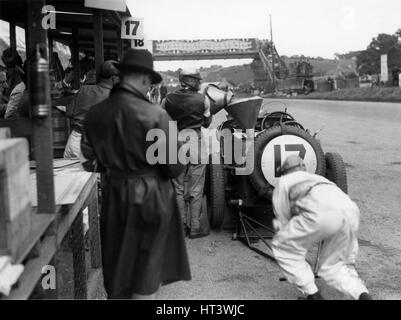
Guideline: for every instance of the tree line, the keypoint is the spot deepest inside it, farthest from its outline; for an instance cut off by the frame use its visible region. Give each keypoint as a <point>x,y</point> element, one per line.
<point>368,61</point>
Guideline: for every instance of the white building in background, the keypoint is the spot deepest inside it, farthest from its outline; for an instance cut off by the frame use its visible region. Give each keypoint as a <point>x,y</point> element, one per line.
<point>384,68</point>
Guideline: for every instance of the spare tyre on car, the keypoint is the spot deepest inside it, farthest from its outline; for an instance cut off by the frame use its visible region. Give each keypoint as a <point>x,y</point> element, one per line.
<point>271,148</point>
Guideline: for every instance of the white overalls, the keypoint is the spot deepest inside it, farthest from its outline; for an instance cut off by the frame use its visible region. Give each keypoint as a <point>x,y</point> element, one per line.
<point>309,209</point>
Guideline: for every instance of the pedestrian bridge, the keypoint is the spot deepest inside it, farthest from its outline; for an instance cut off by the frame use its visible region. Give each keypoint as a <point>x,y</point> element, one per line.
<point>206,49</point>
<point>261,51</point>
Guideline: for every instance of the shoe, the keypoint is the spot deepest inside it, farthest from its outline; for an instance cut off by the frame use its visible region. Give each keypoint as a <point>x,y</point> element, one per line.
<point>365,296</point>
<point>315,296</point>
<point>196,233</point>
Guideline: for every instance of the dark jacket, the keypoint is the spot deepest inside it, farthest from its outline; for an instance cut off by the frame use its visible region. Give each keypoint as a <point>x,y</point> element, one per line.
<point>187,107</point>
<point>163,92</point>
<point>87,96</point>
<point>13,79</point>
<point>141,230</point>
<point>14,105</point>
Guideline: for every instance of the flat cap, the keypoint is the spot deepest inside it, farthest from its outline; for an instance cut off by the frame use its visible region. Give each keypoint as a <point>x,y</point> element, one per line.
<point>291,164</point>
<point>108,69</point>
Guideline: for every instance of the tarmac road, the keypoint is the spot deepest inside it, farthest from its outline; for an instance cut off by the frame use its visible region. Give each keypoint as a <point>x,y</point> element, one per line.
<point>368,136</point>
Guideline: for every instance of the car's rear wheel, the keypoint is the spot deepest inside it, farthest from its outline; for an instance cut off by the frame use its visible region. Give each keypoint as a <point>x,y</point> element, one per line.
<point>215,194</point>
<point>336,171</point>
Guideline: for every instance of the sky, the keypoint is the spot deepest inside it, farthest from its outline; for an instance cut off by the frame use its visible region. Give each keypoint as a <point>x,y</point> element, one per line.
<point>308,27</point>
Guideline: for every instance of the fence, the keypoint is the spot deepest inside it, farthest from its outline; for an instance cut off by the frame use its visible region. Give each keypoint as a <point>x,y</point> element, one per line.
<point>347,84</point>
<point>323,85</point>
<point>69,242</point>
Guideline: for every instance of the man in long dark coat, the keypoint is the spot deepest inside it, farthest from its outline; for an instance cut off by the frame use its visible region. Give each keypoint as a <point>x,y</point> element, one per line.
<point>143,244</point>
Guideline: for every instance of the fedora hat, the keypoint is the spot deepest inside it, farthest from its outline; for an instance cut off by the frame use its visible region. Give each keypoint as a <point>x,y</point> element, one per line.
<point>139,60</point>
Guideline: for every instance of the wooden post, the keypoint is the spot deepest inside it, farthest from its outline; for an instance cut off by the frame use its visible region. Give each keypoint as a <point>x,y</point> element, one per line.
<point>98,37</point>
<point>13,36</point>
<point>42,128</point>
<point>78,258</point>
<point>120,49</point>
<point>75,57</point>
<point>50,45</point>
<point>94,230</point>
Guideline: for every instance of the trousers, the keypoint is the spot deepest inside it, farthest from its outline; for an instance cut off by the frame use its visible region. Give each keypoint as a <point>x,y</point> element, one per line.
<point>189,187</point>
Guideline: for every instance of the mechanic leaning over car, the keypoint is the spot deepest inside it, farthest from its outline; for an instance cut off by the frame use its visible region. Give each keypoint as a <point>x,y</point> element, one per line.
<point>309,209</point>
<point>191,110</point>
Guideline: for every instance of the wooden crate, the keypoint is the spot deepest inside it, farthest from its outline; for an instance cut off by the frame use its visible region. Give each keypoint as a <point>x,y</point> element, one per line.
<point>15,202</point>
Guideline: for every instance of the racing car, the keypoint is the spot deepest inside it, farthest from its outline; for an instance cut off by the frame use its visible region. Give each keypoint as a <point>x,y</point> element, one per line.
<point>243,203</point>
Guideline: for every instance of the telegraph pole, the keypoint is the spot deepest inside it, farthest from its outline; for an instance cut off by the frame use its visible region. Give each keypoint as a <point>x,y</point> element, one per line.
<point>272,52</point>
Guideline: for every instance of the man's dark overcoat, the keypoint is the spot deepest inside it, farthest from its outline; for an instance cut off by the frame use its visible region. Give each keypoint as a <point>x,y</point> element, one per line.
<point>141,231</point>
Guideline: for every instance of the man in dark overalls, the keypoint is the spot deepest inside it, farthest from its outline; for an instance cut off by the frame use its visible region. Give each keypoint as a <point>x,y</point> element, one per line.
<point>191,110</point>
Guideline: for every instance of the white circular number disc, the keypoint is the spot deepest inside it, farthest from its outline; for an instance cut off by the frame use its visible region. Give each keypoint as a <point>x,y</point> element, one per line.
<point>285,146</point>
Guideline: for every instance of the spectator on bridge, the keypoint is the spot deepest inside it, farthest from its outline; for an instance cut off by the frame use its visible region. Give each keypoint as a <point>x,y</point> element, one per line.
<point>309,209</point>
<point>191,111</point>
<point>86,97</point>
<point>143,246</point>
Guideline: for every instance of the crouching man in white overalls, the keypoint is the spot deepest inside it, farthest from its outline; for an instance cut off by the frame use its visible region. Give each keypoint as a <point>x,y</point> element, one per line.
<point>309,209</point>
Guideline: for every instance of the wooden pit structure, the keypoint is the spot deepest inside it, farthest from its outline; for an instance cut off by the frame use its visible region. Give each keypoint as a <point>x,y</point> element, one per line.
<point>57,220</point>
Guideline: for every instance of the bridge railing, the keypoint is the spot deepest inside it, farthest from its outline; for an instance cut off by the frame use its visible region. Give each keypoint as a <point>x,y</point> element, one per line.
<point>266,64</point>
